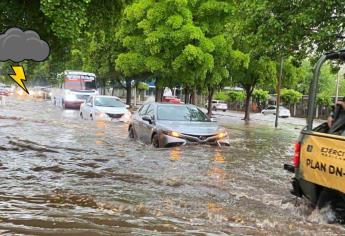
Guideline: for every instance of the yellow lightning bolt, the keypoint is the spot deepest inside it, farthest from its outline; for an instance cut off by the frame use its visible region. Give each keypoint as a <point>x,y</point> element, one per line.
<point>19,77</point>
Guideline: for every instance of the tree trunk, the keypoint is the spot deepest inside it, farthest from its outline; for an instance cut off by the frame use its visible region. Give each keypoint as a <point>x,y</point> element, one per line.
<point>186,95</point>
<point>129,91</point>
<point>294,109</point>
<point>193,96</point>
<point>247,104</point>
<point>113,87</point>
<point>159,94</point>
<point>104,85</point>
<point>209,101</point>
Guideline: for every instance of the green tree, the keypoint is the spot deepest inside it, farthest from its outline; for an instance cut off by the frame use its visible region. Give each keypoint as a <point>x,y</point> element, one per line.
<point>235,96</point>
<point>221,95</point>
<point>260,97</point>
<point>290,96</point>
<point>162,40</point>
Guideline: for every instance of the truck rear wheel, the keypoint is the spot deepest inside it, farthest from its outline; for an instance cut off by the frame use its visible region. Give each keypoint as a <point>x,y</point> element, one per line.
<point>336,201</point>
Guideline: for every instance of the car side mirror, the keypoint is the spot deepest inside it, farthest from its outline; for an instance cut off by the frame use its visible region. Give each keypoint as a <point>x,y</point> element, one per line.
<point>128,106</point>
<point>212,119</point>
<point>89,104</point>
<point>147,118</point>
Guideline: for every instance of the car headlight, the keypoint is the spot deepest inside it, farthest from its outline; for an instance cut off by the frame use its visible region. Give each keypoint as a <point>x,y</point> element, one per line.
<point>50,94</point>
<point>222,135</point>
<point>172,133</point>
<point>127,115</point>
<point>100,114</point>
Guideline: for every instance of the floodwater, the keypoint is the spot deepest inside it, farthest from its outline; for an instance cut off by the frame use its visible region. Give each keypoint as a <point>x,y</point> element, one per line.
<point>61,175</point>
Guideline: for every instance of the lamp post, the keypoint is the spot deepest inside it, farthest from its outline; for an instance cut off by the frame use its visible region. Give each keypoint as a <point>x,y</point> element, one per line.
<point>278,91</point>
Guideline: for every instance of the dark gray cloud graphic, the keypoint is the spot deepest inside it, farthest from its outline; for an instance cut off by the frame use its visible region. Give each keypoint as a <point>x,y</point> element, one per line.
<point>17,45</point>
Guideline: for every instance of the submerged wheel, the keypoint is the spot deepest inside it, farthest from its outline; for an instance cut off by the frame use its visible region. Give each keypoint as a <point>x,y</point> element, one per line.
<point>91,117</point>
<point>336,201</point>
<point>155,141</point>
<point>131,133</point>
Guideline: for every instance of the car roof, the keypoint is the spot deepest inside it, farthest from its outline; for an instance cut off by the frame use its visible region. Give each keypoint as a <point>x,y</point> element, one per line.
<point>168,104</point>
<point>105,96</point>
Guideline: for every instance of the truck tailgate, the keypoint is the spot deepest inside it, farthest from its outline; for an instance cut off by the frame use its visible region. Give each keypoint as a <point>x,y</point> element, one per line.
<point>323,160</point>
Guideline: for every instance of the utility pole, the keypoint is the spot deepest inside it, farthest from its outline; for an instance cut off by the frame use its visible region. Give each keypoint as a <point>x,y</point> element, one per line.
<point>278,91</point>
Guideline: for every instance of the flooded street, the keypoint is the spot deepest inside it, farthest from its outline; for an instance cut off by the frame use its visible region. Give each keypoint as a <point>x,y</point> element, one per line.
<point>61,175</point>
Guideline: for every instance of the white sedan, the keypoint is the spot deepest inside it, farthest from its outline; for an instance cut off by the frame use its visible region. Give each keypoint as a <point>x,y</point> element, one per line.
<point>109,108</point>
<point>283,112</point>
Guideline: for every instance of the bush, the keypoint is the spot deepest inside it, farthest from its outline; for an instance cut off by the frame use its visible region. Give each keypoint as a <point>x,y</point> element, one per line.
<point>260,96</point>
<point>221,96</point>
<point>290,96</point>
<point>235,96</point>
<point>324,100</point>
<point>142,86</point>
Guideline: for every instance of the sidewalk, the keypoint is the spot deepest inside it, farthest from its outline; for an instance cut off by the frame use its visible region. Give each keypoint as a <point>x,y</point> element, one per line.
<point>267,119</point>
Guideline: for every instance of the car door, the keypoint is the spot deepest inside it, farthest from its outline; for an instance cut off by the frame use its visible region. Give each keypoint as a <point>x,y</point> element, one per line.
<point>87,108</point>
<point>270,110</point>
<point>147,127</point>
<point>138,121</point>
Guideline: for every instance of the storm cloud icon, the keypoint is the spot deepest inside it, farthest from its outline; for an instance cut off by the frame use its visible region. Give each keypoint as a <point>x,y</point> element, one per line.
<point>17,45</point>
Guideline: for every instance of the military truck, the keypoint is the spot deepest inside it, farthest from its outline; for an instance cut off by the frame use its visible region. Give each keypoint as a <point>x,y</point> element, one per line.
<point>319,156</point>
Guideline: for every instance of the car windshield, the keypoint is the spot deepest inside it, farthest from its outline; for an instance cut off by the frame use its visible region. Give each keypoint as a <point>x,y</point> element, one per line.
<point>108,102</point>
<point>180,113</point>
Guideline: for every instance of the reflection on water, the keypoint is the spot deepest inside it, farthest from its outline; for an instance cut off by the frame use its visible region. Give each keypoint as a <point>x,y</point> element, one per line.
<point>100,124</point>
<point>218,156</point>
<point>217,168</point>
<point>175,154</point>
<point>61,175</point>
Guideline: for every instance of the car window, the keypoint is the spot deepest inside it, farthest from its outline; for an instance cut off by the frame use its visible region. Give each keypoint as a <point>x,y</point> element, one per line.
<point>142,110</point>
<point>271,108</point>
<point>150,111</point>
<point>89,100</point>
<point>180,113</point>
<point>108,102</point>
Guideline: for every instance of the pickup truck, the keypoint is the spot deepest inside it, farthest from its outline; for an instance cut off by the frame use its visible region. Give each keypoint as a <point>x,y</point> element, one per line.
<point>319,157</point>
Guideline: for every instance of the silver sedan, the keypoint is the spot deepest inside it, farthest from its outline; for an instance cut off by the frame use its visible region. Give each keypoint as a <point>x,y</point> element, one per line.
<point>168,125</point>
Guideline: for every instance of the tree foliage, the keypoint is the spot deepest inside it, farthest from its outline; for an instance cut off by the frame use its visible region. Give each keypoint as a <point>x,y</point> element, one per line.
<point>235,96</point>
<point>260,96</point>
<point>290,96</point>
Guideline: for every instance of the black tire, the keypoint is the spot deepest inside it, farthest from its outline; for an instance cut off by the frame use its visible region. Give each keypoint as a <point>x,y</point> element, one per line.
<point>224,110</point>
<point>91,117</point>
<point>336,201</point>
<point>155,141</point>
<point>131,134</point>
<point>214,108</point>
<point>81,115</point>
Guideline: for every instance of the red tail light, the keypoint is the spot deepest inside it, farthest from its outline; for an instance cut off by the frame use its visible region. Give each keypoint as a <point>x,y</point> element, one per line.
<point>297,154</point>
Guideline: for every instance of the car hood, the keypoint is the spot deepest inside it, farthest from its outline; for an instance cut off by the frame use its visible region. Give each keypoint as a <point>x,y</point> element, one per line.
<point>190,127</point>
<point>111,110</point>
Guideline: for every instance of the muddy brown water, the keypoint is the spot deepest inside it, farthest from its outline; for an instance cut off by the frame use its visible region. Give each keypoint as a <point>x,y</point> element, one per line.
<point>60,175</point>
